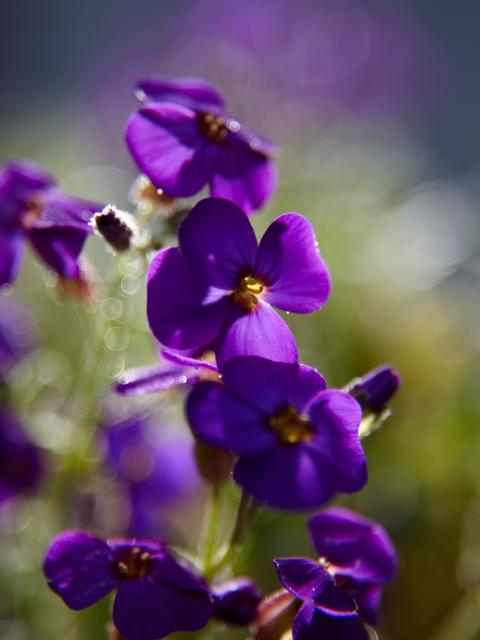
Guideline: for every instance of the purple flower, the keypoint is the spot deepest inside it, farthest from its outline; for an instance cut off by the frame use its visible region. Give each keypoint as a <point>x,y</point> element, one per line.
<point>297,442</point>
<point>376,388</point>
<point>156,467</point>
<point>21,466</point>
<point>235,601</point>
<point>356,557</point>
<point>18,333</point>
<point>55,223</point>
<point>182,369</point>
<point>157,593</point>
<point>216,289</point>
<point>183,139</point>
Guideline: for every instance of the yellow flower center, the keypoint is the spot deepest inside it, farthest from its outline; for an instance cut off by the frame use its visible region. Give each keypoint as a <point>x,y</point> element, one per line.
<point>213,127</point>
<point>290,426</point>
<point>248,292</point>
<point>135,565</point>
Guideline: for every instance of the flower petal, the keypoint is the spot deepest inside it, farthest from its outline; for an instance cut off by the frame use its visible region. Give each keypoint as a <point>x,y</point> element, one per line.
<point>243,176</point>
<point>11,247</point>
<point>59,248</point>
<point>78,568</point>
<point>312,624</point>
<point>336,416</point>
<point>191,92</point>
<point>171,599</point>
<point>167,145</point>
<point>137,382</point>
<point>218,241</point>
<point>218,417</point>
<point>270,385</point>
<point>178,309</point>
<point>289,260</point>
<point>288,476</point>
<point>358,547</point>
<point>261,332</point>
<point>309,581</point>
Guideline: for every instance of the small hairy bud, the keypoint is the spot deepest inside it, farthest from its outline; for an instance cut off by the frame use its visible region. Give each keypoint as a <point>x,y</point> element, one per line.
<point>115,226</point>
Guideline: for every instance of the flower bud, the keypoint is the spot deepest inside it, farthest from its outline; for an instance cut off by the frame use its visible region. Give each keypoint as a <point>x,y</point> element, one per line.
<point>235,601</point>
<point>115,226</point>
<point>376,388</point>
<point>214,464</point>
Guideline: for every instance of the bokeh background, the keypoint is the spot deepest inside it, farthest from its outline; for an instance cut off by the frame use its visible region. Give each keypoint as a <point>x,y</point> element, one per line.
<point>375,105</point>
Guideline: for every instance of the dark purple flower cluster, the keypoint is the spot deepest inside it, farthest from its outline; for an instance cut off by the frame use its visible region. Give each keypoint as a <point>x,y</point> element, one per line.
<point>212,304</point>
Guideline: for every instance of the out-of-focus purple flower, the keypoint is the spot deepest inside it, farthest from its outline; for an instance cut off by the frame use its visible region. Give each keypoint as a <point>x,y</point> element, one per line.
<point>183,139</point>
<point>182,370</point>
<point>218,286</point>
<point>157,593</point>
<point>297,442</point>
<point>21,466</point>
<point>17,333</point>
<point>56,224</point>
<point>236,600</point>
<point>376,388</point>
<point>342,589</point>
<point>158,469</point>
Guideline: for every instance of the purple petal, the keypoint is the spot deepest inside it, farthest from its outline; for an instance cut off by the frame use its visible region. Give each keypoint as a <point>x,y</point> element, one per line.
<point>358,547</point>
<point>261,332</point>
<point>187,360</point>
<point>312,624</point>
<point>255,140</point>
<point>236,600</point>
<point>192,92</point>
<point>368,601</point>
<point>218,241</point>
<point>10,256</point>
<point>58,210</point>
<point>178,309</point>
<point>270,385</point>
<point>243,176</point>
<point>336,416</point>
<point>289,260</point>
<point>167,145</point>
<point>25,178</point>
<point>79,568</point>
<point>59,248</point>
<point>137,382</point>
<point>309,581</point>
<point>220,418</point>
<point>171,599</point>
<point>288,476</point>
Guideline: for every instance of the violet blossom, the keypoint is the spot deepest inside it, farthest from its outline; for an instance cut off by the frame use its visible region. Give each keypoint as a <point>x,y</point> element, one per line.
<point>343,588</point>
<point>218,287</point>
<point>297,442</point>
<point>184,139</point>
<point>156,592</point>
<point>236,601</point>
<point>376,388</point>
<point>33,208</point>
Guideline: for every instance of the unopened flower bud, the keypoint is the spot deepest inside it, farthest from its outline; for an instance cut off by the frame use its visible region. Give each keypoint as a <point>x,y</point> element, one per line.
<point>214,464</point>
<point>235,601</point>
<point>376,388</point>
<point>115,226</point>
<point>275,616</point>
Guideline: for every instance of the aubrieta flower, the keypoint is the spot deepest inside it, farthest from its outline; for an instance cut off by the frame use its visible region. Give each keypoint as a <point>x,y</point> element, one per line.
<point>376,388</point>
<point>56,224</point>
<point>235,601</point>
<point>184,139</point>
<point>343,588</point>
<point>21,465</point>
<point>183,369</point>
<point>218,286</point>
<point>156,467</point>
<point>297,442</point>
<point>157,593</point>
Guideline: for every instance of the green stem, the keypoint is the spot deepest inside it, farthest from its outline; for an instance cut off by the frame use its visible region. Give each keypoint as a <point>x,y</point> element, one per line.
<point>211,535</point>
<point>245,514</point>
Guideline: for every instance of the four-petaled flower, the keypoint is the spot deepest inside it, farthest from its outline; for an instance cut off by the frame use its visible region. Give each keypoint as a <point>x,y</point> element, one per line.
<point>343,588</point>
<point>183,139</point>
<point>216,289</point>
<point>157,594</point>
<point>297,442</point>
<point>56,224</point>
